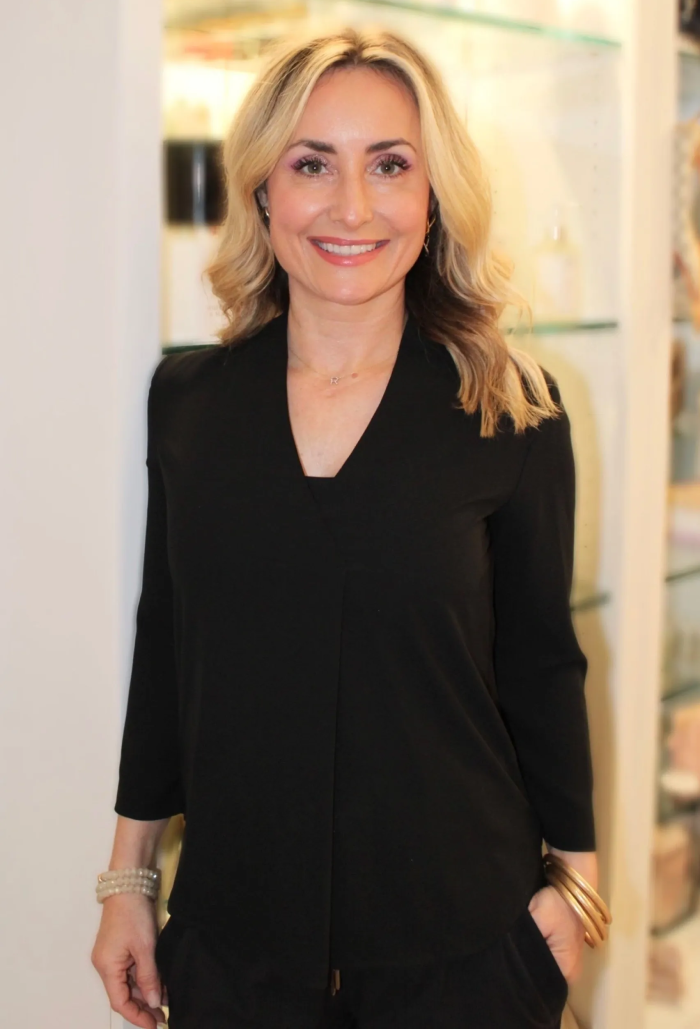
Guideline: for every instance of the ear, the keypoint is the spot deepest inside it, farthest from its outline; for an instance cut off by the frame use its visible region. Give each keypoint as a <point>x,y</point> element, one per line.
<point>261,194</point>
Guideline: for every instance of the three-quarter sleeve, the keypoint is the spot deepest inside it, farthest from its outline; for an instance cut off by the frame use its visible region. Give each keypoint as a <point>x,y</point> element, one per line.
<point>540,669</point>
<point>149,785</point>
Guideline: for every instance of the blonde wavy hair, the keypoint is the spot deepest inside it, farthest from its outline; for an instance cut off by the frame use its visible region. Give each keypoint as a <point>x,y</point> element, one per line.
<point>456,293</point>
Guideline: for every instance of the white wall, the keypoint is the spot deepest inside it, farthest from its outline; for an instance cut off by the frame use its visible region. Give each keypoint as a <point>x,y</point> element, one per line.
<point>79,220</point>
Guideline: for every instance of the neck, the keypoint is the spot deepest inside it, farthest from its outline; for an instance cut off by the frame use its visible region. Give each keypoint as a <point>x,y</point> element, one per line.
<point>340,338</point>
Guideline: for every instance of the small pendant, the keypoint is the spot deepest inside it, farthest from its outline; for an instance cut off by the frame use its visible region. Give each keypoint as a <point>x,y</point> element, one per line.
<point>334,380</point>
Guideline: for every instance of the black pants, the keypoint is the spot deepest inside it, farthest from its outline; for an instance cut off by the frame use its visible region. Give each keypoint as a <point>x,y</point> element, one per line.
<point>514,983</point>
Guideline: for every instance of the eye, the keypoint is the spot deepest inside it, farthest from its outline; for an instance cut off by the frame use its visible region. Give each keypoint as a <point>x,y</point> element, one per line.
<point>391,166</point>
<point>309,162</point>
<point>395,161</point>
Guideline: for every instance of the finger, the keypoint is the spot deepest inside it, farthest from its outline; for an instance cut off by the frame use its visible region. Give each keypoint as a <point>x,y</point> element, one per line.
<point>536,900</point>
<point>155,1010</point>
<point>123,1003</point>
<point>148,980</point>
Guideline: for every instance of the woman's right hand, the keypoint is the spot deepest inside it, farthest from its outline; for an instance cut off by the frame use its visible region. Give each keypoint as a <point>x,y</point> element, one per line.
<point>124,956</point>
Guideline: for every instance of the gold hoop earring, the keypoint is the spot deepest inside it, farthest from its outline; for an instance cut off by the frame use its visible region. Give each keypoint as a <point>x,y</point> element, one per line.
<point>429,225</point>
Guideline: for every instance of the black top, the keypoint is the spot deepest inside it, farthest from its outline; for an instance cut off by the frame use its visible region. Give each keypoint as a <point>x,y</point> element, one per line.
<point>365,694</point>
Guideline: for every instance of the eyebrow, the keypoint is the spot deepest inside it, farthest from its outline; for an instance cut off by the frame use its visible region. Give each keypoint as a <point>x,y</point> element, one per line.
<point>328,148</point>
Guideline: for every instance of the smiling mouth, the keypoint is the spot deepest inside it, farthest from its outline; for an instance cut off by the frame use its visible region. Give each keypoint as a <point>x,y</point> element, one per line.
<point>349,250</point>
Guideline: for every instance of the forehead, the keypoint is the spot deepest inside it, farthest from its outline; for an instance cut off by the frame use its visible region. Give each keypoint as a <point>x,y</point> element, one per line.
<point>360,102</point>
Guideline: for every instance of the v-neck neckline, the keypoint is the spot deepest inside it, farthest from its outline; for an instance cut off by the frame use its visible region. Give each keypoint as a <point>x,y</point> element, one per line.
<point>373,425</point>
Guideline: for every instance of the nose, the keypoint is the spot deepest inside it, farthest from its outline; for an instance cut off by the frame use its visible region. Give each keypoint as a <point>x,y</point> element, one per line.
<point>352,200</point>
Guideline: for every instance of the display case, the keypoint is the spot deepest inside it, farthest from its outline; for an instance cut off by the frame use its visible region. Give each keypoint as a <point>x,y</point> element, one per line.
<point>675,917</point>
<point>555,96</point>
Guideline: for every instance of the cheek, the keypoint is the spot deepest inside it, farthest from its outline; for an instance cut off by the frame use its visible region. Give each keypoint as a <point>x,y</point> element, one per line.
<point>294,205</point>
<point>288,227</point>
<point>292,224</point>
<point>409,215</point>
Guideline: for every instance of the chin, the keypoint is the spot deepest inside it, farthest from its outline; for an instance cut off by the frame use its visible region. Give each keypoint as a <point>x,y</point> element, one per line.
<point>350,299</point>
<point>349,296</point>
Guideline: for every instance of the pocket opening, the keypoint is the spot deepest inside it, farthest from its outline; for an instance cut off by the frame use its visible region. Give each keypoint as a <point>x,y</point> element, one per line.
<point>542,967</point>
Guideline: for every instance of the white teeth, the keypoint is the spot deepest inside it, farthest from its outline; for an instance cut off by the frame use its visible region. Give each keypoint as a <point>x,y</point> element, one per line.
<point>333,248</point>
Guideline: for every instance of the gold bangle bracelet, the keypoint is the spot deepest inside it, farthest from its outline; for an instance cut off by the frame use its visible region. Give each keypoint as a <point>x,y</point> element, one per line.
<point>585,894</point>
<point>568,870</point>
<point>569,873</point>
<point>596,928</point>
<point>600,916</point>
<point>591,935</point>
<point>584,901</point>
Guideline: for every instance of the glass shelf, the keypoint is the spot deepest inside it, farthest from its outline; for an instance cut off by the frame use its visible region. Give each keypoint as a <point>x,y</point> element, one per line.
<point>181,14</point>
<point>586,598</point>
<point>693,331</point>
<point>538,329</point>
<point>676,810</point>
<point>686,690</point>
<point>687,46</point>
<point>685,573</point>
<point>683,562</point>
<point>563,328</point>
<point>187,13</point>
<point>436,10</point>
<point>180,348</point>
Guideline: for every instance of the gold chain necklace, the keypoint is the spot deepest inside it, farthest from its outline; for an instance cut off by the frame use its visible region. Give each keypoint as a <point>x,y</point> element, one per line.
<point>335,379</point>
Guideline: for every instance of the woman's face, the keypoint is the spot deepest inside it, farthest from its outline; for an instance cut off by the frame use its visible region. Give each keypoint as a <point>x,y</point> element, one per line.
<point>354,174</point>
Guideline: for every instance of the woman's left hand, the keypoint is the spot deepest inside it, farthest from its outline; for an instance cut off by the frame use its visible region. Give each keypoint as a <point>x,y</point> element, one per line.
<point>562,929</point>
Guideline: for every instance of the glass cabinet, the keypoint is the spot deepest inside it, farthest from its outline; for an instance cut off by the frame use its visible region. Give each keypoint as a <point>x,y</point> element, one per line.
<point>674,969</point>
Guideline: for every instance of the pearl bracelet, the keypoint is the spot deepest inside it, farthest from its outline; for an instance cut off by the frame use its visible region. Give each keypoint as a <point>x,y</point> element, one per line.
<point>145,881</point>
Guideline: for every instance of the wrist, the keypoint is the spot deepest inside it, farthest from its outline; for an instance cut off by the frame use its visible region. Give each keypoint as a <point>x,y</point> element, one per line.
<point>132,859</point>
<point>126,900</point>
<point>142,881</point>
<point>585,862</point>
<point>578,891</point>
<point>136,843</point>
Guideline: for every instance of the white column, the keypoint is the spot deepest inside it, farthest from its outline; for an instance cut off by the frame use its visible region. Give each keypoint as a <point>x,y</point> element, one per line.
<point>625,735</point>
<point>79,218</point>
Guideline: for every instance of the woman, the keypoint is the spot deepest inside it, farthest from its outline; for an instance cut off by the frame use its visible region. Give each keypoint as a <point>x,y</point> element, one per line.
<point>355,670</point>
